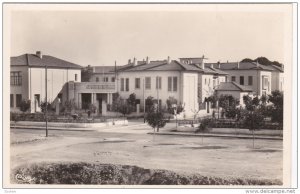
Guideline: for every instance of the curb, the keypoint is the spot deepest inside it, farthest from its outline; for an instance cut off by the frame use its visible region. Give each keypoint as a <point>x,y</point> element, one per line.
<point>218,135</point>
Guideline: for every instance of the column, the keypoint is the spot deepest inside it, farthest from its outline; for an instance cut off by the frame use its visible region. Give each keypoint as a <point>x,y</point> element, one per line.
<point>79,101</point>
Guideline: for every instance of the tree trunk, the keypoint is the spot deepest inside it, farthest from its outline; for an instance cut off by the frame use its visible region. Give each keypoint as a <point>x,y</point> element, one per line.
<point>253,139</point>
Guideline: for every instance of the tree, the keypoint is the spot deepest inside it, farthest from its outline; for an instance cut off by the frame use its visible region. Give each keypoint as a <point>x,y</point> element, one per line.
<point>170,102</point>
<point>43,106</point>
<point>229,104</point>
<point>205,126</point>
<point>25,105</point>
<point>254,117</point>
<point>69,105</point>
<point>149,104</point>
<point>123,107</point>
<point>156,120</point>
<point>86,73</point>
<point>276,110</point>
<point>253,120</point>
<point>263,61</point>
<point>132,101</point>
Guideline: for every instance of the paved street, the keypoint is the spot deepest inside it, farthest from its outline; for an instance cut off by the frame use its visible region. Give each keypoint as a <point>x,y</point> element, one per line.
<point>223,157</point>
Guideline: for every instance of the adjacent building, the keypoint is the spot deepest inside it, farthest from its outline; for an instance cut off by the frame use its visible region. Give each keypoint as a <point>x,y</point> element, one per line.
<point>252,74</point>
<point>27,79</point>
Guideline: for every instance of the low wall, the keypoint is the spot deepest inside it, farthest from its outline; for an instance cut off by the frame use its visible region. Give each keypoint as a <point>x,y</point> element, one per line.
<point>70,125</point>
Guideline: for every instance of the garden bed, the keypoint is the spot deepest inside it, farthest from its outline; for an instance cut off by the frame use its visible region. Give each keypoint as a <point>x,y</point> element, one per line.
<point>108,174</point>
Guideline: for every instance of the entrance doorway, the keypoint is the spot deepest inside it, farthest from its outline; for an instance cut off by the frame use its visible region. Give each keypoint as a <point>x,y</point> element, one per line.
<point>86,99</point>
<point>100,98</point>
<point>36,102</point>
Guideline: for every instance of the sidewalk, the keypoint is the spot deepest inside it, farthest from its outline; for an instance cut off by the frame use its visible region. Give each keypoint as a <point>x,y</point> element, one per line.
<point>218,135</point>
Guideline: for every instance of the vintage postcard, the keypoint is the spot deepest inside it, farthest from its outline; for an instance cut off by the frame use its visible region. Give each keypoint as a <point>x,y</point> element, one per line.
<point>148,95</point>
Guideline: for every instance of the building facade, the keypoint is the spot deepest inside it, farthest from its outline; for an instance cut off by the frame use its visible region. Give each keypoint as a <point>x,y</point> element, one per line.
<point>28,79</point>
<point>254,75</point>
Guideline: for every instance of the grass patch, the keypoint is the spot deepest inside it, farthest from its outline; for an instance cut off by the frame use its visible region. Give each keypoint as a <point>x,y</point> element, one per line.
<point>103,174</point>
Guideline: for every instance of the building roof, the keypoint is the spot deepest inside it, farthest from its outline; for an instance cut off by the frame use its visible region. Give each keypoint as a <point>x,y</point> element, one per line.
<point>103,69</point>
<point>33,60</point>
<point>276,68</point>
<point>233,86</point>
<point>163,65</point>
<point>242,66</point>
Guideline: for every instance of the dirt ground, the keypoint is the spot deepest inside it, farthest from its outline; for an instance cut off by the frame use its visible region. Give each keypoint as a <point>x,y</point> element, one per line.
<point>214,157</point>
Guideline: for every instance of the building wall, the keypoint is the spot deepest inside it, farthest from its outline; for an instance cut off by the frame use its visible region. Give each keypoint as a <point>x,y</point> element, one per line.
<point>101,77</point>
<point>57,79</point>
<point>269,87</point>
<point>277,80</point>
<point>205,86</point>
<point>23,88</point>
<point>236,94</point>
<point>163,93</point>
<point>190,92</point>
<point>246,73</point>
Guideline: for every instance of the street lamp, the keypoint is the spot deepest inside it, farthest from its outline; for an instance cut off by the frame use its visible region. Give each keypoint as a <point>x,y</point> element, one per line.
<point>46,101</point>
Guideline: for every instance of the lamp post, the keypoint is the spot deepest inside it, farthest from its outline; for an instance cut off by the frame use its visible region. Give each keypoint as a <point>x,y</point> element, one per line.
<point>46,101</point>
<point>175,112</point>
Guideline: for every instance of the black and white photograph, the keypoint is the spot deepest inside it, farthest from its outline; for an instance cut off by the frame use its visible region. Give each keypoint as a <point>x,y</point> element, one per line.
<point>148,95</point>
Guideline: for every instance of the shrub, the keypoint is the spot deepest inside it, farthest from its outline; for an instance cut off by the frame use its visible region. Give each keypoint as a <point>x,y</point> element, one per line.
<point>43,106</point>
<point>205,125</point>
<point>156,120</point>
<point>25,105</point>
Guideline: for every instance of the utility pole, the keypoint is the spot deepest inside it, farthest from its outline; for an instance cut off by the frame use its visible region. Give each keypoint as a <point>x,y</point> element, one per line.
<point>46,101</point>
<point>144,101</point>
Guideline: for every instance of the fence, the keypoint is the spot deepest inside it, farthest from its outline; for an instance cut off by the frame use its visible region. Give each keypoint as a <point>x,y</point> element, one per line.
<point>227,123</point>
<point>67,118</point>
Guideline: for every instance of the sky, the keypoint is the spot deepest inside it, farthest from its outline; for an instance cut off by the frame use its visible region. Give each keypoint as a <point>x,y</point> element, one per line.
<point>102,36</point>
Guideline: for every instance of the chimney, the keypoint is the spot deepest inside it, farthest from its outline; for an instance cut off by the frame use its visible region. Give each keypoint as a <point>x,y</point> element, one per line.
<point>147,60</point>
<point>94,69</point>
<point>134,61</point>
<point>129,61</point>
<point>211,65</point>
<point>256,63</point>
<point>202,62</point>
<point>39,54</point>
<point>219,65</point>
<point>238,64</point>
<point>168,61</point>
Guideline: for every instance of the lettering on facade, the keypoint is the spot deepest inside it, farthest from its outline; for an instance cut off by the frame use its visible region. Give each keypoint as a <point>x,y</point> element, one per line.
<point>101,87</point>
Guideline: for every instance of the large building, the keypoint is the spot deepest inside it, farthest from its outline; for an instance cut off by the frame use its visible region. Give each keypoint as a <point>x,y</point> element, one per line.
<point>27,79</point>
<point>260,78</point>
<point>190,81</point>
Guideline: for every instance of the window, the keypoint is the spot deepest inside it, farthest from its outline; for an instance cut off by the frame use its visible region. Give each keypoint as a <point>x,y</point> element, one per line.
<point>242,80</point>
<point>18,99</point>
<point>15,78</point>
<point>137,83</point>
<point>265,83</point>
<point>250,80</point>
<point>205,81</point>
<point>122,84</point>
<point>11,100</point>
<point>158,82</point>
<point>233,78</point>
<point>148,83</point>
<point>97,79</point>
<point>172,84</point>
<point>75,77</point>
<point>105,79</point>
<point>169,83</point>
<point>127,84</point>
<point>113,79</point>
